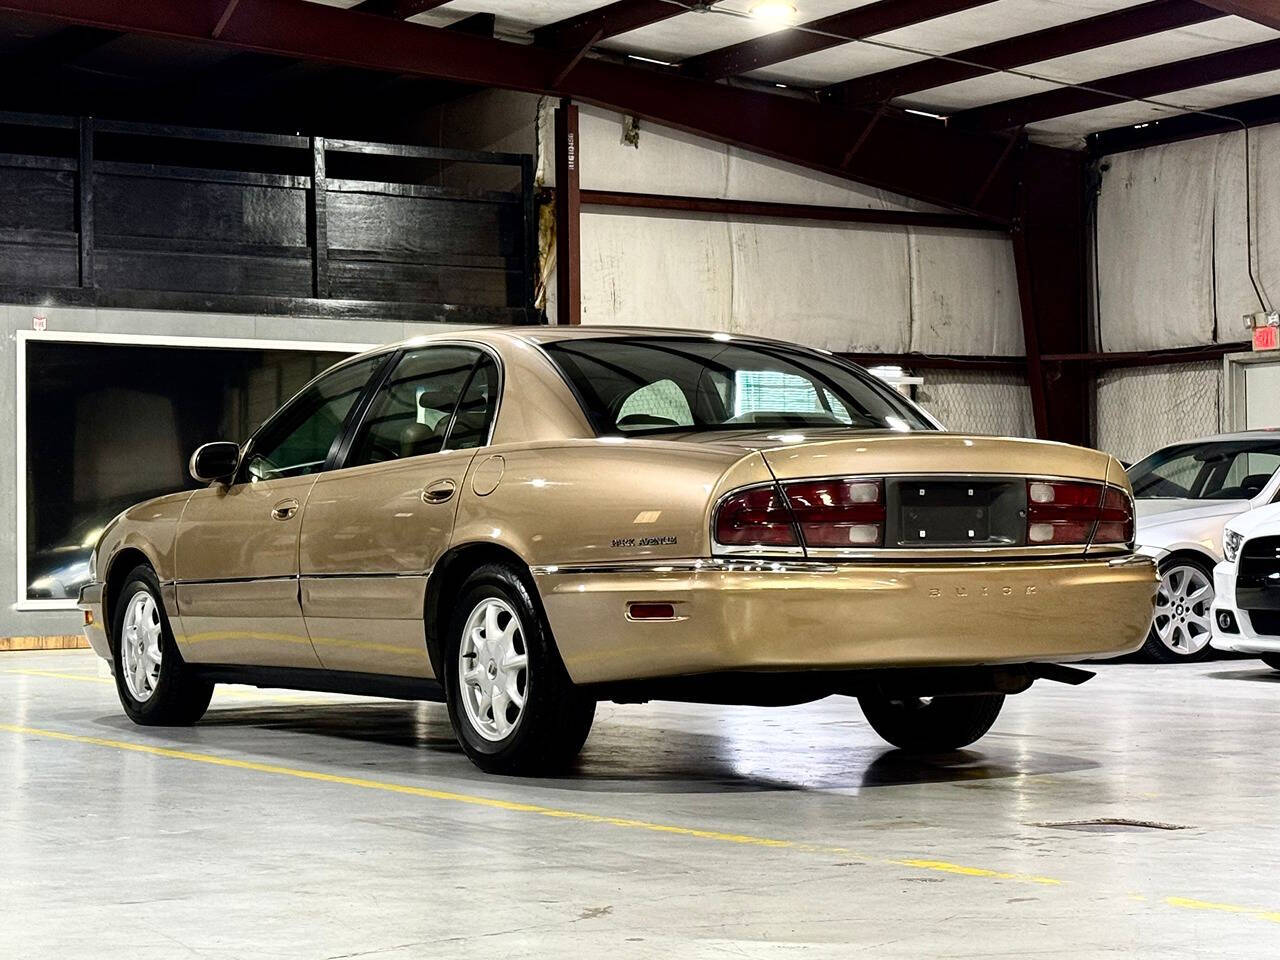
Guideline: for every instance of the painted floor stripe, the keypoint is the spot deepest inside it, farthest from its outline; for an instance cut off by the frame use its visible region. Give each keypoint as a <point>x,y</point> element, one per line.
<point>748,840</point>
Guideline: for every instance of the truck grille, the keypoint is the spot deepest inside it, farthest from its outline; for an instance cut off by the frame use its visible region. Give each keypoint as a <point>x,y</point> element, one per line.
<point>1258,577</point>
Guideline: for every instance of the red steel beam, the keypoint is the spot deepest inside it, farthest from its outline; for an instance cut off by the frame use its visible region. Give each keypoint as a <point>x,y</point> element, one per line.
<point>568,208</point>
<point>1187,126</point>
<point>1265,12</point>
<point>398,9</point>
<point>1059,41</point>
<point>951,361</point>
<point>908,155</point>
<point>1150,82</point>
<point>759,209</point>
<point>839,28</point>
<point>611,20</point>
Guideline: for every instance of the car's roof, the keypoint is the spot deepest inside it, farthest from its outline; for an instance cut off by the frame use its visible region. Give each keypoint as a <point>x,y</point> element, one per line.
<point>1263,433</point>
<point>538,334</point>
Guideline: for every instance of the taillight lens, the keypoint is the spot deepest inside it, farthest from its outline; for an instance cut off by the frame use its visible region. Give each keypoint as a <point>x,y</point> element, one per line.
<point>1062,511</point>
<point>1115,521</point>
<point>756,517</point>
<point>838,513</point>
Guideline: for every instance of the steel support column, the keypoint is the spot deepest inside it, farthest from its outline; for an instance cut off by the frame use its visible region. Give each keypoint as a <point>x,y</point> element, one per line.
<point>1050,257</point>
<point>568,217</point>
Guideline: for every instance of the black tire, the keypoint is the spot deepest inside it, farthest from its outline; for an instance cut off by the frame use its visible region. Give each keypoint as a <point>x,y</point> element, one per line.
<point>1272,660</point>
<point>178,698</point>
<point>1154,649</point>
<point>931,726</point>
<point>553,723</point>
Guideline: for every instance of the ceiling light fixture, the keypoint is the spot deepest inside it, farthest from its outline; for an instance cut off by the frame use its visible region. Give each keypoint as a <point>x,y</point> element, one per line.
<point>772,10</point>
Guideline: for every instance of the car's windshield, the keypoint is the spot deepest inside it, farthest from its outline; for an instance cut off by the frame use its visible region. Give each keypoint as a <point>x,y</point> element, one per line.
<point>1222,470</point>
<point>638,385</point>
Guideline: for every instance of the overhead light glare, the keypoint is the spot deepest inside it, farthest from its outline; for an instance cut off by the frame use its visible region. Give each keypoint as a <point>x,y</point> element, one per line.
<point>925,113</point>
<point>772,10</point>
<point>661,63</point>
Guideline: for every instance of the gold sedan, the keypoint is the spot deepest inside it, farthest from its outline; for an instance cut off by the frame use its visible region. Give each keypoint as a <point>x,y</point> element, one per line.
<point>525,521</point>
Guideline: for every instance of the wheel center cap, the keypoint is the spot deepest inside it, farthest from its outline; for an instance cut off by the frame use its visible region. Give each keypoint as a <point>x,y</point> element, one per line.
<point>493,669</point>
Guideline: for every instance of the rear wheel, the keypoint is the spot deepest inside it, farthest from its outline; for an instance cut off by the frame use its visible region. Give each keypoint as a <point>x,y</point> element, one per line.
<point>511,702</point>
<point>156,687</point>
<point>931,724</point>
<point>1272,660</point>
<point>1180,629</point>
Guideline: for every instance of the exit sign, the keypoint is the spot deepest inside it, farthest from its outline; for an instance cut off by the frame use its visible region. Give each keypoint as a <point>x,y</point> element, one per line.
<point>1266,338</point>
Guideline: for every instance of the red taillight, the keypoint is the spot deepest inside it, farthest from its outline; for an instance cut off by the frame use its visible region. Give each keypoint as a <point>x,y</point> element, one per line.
<point>756,517</point>
<point>1063,511</point>
<point>1115,520</point>
<point>838,513</point>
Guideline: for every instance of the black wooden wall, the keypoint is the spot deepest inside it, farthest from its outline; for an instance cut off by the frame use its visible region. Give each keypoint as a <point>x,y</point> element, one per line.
<point>122,214</point>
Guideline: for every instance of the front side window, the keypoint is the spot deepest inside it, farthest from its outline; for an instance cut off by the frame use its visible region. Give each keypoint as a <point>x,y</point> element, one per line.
<point>670,384</point>
<point>1228,470</point>
<point>415,409</point>
<point>298,439</point>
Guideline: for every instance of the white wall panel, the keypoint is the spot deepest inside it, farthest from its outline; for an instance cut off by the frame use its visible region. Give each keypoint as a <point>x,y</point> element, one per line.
<point>1140,409</point>
<point>1173,255</point>
<point>979,402</point>
<point>964,293</point>
<point>656,270</point>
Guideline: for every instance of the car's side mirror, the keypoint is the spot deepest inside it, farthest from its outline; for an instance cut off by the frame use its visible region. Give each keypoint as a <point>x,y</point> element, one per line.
<point>214,462</point>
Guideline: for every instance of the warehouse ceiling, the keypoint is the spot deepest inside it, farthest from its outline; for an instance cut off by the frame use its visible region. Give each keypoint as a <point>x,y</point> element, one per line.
<point>983,64</point>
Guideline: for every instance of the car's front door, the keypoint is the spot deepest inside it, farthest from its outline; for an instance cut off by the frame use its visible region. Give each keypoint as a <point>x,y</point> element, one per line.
<point>237,546</point>
<point>373,529</point>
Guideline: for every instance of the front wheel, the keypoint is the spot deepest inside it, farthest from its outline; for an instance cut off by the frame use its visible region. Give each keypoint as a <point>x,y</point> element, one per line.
<point>156,687</point>
<point>1180,628</point>
<point>512,705</point>
<point>931,724</point>
<point>1272,660</point>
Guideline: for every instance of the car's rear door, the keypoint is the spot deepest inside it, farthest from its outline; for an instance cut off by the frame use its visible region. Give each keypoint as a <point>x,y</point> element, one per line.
<point>373,529</point>
<point>236,554</point>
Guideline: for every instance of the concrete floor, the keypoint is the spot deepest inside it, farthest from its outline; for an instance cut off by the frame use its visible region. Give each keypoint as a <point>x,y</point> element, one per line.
<point>294,825</point>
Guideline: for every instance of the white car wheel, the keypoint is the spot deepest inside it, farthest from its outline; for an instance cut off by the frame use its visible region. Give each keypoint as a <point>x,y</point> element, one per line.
<point>1181,623</point>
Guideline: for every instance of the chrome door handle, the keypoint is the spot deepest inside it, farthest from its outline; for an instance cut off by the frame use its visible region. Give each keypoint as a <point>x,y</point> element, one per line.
<point>284,509</point>
<point>438,492</point>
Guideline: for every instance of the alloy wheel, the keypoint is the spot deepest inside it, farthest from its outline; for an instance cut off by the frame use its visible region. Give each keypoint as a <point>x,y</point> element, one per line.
<point>493,669</point>
<point>140,646</point>
<point>1182,609</point>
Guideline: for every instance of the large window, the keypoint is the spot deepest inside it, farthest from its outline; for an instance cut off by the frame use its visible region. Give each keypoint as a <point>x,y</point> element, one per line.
<point>110,425</point>
<point>636,385</point>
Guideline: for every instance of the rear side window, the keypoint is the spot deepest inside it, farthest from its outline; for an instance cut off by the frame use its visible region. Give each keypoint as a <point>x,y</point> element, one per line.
<point>1222,470</point>
<point>436,398</point>
<point>635,385</point>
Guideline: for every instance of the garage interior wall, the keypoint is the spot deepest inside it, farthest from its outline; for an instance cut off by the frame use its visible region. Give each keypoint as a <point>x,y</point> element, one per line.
<point>842,287</point>
<point>1173,271</point>
<point>15,622</point>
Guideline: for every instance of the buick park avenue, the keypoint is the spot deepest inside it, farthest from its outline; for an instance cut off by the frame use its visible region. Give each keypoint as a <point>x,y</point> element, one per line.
<point>527,521</point>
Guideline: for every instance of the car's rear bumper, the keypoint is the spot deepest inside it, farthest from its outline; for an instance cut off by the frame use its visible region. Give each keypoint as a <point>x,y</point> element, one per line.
<point>95,628</point>
<point>732,615</point>
<point>1246,639</point>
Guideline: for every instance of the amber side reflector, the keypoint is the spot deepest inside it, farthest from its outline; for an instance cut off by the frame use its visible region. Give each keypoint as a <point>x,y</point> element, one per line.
<point>88,618</point>
<point>651,611</point>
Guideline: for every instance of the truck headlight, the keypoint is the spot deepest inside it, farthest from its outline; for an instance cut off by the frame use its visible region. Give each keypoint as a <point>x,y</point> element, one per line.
<point>1231,545</point>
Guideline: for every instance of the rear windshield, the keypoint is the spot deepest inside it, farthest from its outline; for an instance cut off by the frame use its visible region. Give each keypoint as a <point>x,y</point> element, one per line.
<point>663,385</point>
<point>1226,470</point>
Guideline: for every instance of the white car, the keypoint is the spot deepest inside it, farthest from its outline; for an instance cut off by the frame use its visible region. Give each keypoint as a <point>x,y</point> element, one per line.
<point>1184,496</point>
<point>1246,605</point>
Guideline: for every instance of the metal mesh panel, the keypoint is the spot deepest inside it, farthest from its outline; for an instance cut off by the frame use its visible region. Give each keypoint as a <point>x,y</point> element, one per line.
<point>978,402</point>
<point>1140,409</point>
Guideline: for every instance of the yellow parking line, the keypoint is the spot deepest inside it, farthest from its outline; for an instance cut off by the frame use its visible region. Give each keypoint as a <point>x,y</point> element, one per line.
<point>741,839</point>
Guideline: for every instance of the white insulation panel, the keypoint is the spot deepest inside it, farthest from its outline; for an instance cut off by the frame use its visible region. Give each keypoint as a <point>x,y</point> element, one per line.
<point>1173,250</point>
<point>1140,409</point>
<point>978,402</point>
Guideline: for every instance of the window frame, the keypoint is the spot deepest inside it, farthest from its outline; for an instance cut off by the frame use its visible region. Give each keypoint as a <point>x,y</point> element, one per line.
<point>340,458</point>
